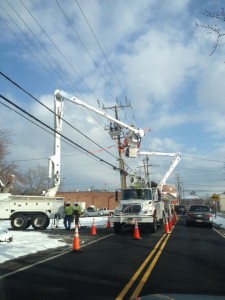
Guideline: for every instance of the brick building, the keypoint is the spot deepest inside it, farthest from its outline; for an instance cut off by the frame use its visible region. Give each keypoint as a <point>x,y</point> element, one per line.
<point>98,199</point>
<point>106,199</point>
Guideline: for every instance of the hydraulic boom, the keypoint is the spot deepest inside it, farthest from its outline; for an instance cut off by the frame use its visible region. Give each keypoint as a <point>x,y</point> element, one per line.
<point>132,138</point>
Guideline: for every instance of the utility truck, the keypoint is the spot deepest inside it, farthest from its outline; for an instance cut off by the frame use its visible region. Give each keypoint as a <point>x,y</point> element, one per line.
<point>142,202</point>
<point>37,211</point>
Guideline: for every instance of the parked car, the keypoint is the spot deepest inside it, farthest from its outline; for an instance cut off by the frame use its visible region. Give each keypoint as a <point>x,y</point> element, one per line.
<point>106,212</point>
<point>199,214</point>
<point>180,209</point>
<point>92,212</point>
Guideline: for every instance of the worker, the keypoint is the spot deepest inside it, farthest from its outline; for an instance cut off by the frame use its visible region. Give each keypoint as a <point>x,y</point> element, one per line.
<point>68,218</point>
<point>77,213</point>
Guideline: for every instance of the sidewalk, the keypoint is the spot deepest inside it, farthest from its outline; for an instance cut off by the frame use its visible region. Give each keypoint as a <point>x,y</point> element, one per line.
<point>219,219</point>
<point>221,215</point>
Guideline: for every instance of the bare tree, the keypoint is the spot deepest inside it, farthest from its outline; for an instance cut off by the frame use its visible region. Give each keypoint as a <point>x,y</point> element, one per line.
<point>31,182</point>
<point>214,29</point>
<point>5,142</point>
<point>35,180</point>
<point>7,168</point>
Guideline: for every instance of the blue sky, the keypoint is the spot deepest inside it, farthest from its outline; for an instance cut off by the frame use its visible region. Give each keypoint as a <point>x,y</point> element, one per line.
<point>148,52</point>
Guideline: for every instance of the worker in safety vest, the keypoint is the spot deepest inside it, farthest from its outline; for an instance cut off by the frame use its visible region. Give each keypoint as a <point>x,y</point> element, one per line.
<point>68,218</point>
<point>77,213</point>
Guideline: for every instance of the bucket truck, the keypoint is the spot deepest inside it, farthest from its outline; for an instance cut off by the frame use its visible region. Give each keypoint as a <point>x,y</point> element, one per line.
<point>142,201</point>
<point>36,211</point>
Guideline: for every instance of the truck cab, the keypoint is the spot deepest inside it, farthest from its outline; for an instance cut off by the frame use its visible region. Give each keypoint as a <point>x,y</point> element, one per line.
<point>142,205</point>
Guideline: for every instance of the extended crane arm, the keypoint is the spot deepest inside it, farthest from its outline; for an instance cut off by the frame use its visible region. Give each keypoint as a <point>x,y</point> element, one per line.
<point>62,95</point>
<point>173,165</point>
<point>175,161</point>
<point>157,153</point>
<point>54,160</point>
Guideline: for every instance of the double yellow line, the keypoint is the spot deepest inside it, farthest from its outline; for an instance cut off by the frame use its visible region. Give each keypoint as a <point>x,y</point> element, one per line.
<point>158,248</point>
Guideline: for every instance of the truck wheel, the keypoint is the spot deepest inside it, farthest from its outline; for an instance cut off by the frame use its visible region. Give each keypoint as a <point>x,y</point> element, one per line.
<point>117,227</point>
<point>19,222</point>
<point>40,222</point>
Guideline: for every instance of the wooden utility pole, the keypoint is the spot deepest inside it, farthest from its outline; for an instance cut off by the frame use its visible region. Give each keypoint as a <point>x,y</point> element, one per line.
<point>178,189</point>
<point>121,160</point>
<point>120,156</point>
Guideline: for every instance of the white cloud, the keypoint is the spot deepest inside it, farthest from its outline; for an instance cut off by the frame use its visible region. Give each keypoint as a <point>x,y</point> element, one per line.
<point>158,56</point>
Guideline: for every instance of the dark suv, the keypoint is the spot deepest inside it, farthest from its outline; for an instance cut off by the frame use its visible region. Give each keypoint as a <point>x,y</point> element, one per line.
<point>199,214</point>
<point>180,209</point>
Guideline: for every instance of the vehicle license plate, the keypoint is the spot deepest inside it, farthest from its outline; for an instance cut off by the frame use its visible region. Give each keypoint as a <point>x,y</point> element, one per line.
<point>199,220</point>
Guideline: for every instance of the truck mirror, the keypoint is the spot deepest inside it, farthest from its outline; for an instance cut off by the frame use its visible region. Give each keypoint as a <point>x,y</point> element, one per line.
<point>116,195</point>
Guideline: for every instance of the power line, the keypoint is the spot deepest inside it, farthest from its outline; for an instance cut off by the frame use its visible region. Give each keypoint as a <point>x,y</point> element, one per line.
<point>47,35</point>
<point>30,95</point>
<point>34,98</point>
<point>24,160</point>
<point>83,44</point>
<point>39,52</point>
<point>101,49</point>
<point>206,159</point>
<point>43,57</point>
<point>60,52</point>
<point>39,121</point>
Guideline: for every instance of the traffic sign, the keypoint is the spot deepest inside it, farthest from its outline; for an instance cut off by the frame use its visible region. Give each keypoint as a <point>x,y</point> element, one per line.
<point>215,197</point>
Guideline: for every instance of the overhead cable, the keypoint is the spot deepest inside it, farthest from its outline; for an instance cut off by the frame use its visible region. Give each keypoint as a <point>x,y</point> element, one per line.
<point>66,138</point>
<point>34,98</point>
<point>101,49</point>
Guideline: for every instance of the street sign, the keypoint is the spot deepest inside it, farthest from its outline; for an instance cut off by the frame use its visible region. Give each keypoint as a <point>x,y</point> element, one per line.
<point>215,197</point>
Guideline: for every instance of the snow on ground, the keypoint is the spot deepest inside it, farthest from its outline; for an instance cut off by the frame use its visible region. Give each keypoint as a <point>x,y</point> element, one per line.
<point>30,241</point>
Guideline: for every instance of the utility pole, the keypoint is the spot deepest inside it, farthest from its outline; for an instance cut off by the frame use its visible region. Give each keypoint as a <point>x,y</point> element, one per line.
<point>178,189</point>
<point>123,173</point>
<point>120,158</point>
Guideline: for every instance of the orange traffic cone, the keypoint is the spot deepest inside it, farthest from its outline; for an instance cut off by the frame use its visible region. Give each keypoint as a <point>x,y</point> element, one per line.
<point>173,219</point>
<point>108,222</point>
<point>76,240</point>
<point>136,231</point>
<point>170,223</point>
<point>93,228</point>
<point>175,216</point>
<point>167,230</point>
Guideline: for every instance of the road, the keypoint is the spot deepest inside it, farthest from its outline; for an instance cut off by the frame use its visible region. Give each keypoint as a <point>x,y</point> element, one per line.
<point>189,260</point>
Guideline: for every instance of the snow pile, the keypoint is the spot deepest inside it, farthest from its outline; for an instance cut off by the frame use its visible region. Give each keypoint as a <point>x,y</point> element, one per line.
<point>5,235</point>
